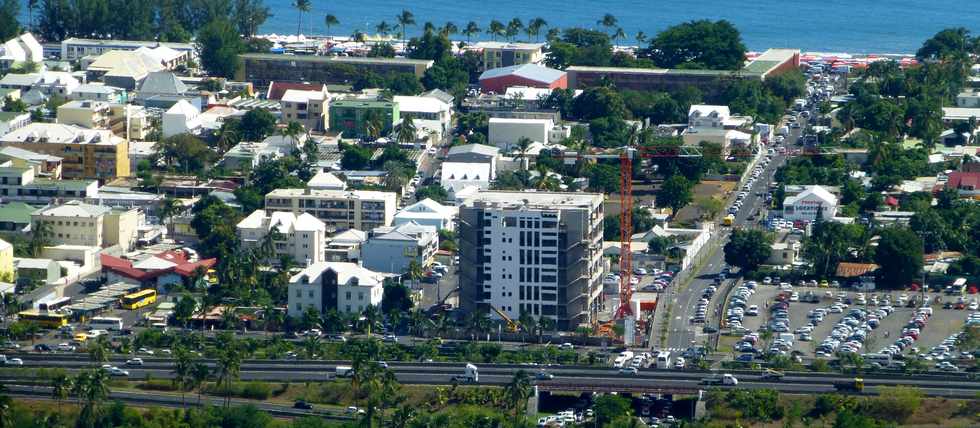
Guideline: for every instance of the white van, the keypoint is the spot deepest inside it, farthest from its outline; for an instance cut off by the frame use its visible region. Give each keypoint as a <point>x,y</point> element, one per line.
<point>663,360</point>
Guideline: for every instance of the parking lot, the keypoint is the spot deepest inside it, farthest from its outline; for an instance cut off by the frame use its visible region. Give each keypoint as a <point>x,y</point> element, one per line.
<point>888,328</point>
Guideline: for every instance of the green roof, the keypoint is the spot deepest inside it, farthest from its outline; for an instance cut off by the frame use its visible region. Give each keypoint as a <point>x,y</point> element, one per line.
<point>362,103</point>
<point>17,212</point>
<point>61,184</point>
<point>760,66</point>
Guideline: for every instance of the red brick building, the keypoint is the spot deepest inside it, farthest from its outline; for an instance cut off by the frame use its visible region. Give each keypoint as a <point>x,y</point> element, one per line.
<point>497,80</point>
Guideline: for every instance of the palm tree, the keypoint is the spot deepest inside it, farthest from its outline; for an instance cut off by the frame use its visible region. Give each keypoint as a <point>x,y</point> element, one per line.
<point>419,323</point>
<point>311,345</point>
<point>31,4</point>
<point>331,321</point>
<point>183,366</point>
<point>608,21</point>
<point>91,388</point>
<point>372,316</point>
<point>303,6</point>
<point>526,323</point>
<point>405,19</point>
<point>271,316</point>
<point>619,34</point>
<point>514,28</point>
<point>449,29</point>
<point>199,374</point>
<point>40,232</point>
<point>292,131</point>
<point>98,350</point>
<point>521,147</point>
<point>428,27</point>
<point>169,208</point>
<point>228,367</point>
<point>383,28</point>
<point>495,29</point>
<point>534,27</point>
<point>471,30</point>
<point>415,272</point>
<point>641,38</point>
<point>330,21</point>
<point>544,180</point>
<point>61,387</point>
<point>517,392</point>
<point>407,132</point>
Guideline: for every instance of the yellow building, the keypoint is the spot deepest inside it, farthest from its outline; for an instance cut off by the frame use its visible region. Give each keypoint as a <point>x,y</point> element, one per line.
<point>86,153</point>
<point>84,113</point>
<point>6,261</point>
<point>506,54</point>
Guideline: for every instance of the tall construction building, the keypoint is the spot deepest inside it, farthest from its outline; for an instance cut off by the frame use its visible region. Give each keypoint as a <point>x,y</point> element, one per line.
<point>533,252</point>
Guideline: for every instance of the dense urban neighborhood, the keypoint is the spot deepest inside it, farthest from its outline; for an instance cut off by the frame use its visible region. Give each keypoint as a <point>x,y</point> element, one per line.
<point>446,225</point>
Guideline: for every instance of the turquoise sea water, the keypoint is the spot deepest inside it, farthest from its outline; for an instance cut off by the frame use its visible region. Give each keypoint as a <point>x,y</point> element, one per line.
<point>856,26</point>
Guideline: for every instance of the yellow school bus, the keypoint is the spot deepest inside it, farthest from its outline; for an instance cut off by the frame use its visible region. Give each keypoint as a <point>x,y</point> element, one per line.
<point>50,320</point>
<point>139,299</point>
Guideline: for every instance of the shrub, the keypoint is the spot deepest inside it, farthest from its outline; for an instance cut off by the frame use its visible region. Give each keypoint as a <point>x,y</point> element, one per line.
<point>157,385</point>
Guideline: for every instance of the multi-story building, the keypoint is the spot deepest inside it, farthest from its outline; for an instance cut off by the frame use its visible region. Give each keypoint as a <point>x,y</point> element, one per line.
<point>78,223</point>
<point>10,121</point>
<point>20,183</point>
<point>338,209</point>
<point>429,114</point>
<point>21,49</point>
<point>301,236</point>
<point>393,249</point>
<point>506,54</point>
<point>73,49</point>
<point>353,117</point>
<point>809,204</point>
<point>85,153</point>
<point>309,108</point>
<point>60,83</point>
<point>427,213</point>
<point>347,287</point>
<point>538,253</point>
<point>262,69</point>
<point>44,165</point>
<point>87,114</point>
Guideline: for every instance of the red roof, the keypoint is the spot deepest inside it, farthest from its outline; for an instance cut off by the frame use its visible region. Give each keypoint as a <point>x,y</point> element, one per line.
<point>891,201</point>
<point>183,267</point>
<point>964,180</point>
<point>278,89</point>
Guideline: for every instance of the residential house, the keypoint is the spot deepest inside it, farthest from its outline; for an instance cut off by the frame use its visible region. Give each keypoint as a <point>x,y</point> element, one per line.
<point>457,176</point>
<point>347,288</point>
<point>810,203</point>
<point>99,92</point>
<point>87,114</point>
<point>163,89</point>
<point>345,246</point>
<point>538,253</point>
<point>784,253</point>
<point>12,121</point>
<point>498,80</point>
<point>301,237</point>
<point>392,249</point>
<point>44,165</point>
<point>714,124</point>
<point>966,184</point>
<point>326,181</point>
<point>16,217</point>
<point>278,89</point>
<point>181,118</point>
<point>365,119</point>
<point>18,50</point>
<point>309,108</point>
<point>427,213</point>
<point>338,209</point>
<point>429,114</point>
<point>248,154</point>
<point>88,153</point>
<point>122,69</point>
<point>46,83</point>
<point>506,54</point>
<point>36,271</point>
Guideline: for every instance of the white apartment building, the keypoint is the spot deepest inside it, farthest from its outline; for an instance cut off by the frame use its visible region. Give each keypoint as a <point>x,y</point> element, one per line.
<point>429,114</point>
<point>427,212</point>
<point>74,48</point>
<point>504,132</point>
<point>346,287</point>
<point>807,204</point>
<point>393,249</point>
<point>532,252</point>
<point>302,236</point>
<point>20,49</point>
<point>309,108</point>
<point>338,209</point>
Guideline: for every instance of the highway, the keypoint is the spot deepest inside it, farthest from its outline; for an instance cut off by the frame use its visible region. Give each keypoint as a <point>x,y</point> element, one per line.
<point>567,378</point>
<point>681,334</point>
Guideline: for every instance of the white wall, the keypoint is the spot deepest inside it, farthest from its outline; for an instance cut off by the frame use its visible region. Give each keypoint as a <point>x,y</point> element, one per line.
<point>504,133</point>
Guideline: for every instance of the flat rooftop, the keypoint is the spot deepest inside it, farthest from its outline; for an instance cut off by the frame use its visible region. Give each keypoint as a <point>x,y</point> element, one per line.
<point>340,59</point>
<point>760,66</point>
<point>536,200</point>
<point>326,193</point>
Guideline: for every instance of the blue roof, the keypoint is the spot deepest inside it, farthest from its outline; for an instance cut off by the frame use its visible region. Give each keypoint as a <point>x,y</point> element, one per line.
<point>533,72</point>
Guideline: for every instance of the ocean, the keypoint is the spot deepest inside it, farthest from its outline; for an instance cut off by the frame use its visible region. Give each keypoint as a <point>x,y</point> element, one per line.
<point>853,26</point>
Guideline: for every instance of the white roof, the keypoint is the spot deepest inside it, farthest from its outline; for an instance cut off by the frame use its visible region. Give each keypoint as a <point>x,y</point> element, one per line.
<point>465,171</point>
<point>350,236</point>
<point>154,263</point>
<point>345,273</point>
<point>817,191</point>
<point>286,222</point>
<point>184,108</point>
<point>73,209</point>
<point>30,263</point>
<point>326,180</point>
<point>300,96</point>
<point>509,45</point>
<point>502,120</point>
<point>960,113</point>
<point>420,104</point>
<point>427,206</point>
<point>344,194</point>
<point>707,110</point>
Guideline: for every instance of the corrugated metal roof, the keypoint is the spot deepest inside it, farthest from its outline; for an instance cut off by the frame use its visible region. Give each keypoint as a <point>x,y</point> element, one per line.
<point>528,71</point>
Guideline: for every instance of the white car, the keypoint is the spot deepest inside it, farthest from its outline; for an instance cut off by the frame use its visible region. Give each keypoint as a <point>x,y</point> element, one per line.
<point>14,362</point>
<point>134,362</point>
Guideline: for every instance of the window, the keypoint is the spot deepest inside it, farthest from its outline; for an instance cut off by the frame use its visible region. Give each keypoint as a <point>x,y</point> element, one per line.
<point>299,293</point>
<point>360,296</point>
<point>348,295</point>
<point>310,294</point>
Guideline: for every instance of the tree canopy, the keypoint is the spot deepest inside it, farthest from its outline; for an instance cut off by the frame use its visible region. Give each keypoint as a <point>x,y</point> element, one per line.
<point>899,254</point>
<point>748,248</point>
<point>219,45</point>
<point>701,44</point>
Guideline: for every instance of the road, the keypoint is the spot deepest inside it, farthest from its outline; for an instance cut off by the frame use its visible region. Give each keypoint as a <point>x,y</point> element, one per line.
<point>566,377</point>
<point>681,334</point>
